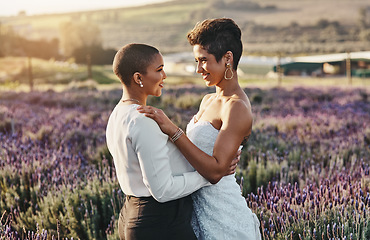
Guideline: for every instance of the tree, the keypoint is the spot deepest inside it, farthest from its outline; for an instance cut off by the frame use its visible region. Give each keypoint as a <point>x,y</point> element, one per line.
<point>362,18</point>
<point>8,41</point>
<point>2,40</point>
<point>75,35</point>
<point>322,23</point>
<point>97,55</point>
<point>40,48</point>
<point>364,33</point>
<point>12,44</point>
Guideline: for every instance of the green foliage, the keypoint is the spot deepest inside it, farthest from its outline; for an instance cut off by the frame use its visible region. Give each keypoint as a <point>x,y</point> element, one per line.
<point>75,35</point>
<point>6,125</point>
<point>267,31</point>
<point>43,134</point>
<point>57,174</point>
<point>12,44</point>
<point>188,101</point>
<point>97,55</point>
<point>84,211</point>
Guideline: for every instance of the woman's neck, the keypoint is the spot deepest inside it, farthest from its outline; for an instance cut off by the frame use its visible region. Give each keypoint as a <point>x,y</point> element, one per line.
<point>227,87</point>
<point>130,95</point>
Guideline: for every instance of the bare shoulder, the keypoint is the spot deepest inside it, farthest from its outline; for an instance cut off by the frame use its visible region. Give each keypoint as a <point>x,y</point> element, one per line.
<point>237,113</point>
<point>206,98</point>
<point>237,106</point>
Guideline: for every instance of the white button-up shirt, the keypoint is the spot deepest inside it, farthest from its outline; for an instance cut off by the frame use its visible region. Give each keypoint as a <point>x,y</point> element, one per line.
<point>146,161</point>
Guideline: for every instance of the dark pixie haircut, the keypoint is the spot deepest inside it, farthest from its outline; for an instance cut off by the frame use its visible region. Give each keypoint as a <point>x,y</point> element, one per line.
<point>217,36</point>
<point>133,58</point>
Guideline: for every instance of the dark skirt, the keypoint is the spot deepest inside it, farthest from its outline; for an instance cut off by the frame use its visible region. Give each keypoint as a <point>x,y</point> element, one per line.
<point>143,218</point>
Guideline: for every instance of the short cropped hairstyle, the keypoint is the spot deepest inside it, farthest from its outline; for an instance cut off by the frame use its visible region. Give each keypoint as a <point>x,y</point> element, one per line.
<point>133,58</point>
<point>217,36</point>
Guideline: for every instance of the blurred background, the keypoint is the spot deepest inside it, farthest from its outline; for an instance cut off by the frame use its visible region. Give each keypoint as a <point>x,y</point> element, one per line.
<point>274,35</point>
<point>305,170</point>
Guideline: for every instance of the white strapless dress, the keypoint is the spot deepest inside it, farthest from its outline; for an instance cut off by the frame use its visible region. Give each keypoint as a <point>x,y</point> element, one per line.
<point>220,211</point>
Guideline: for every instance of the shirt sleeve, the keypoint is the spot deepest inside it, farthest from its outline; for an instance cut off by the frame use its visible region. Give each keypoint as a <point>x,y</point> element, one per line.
<point>150,144</point>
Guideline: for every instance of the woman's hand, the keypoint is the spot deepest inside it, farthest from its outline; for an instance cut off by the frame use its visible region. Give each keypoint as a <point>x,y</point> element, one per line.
<point>165,124</point>
<point>234,163</point>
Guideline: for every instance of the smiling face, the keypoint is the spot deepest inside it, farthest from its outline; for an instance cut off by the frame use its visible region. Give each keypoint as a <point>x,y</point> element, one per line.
<point>154,78</point>
<point>211,70</point>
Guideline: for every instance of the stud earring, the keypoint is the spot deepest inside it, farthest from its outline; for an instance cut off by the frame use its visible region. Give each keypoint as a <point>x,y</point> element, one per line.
<point>141,84</point>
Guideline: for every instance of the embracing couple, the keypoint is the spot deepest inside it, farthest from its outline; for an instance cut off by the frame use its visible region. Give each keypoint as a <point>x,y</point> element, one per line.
<point>177,185</point>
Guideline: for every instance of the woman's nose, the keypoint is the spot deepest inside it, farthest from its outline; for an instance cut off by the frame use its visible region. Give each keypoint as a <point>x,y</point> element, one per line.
<point>199,68</point>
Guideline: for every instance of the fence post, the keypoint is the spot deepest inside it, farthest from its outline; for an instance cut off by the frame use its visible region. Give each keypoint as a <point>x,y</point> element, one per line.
<point>30,77</point>
<point>278,69</point>
<point>348,68</point>
<point>88,60</point>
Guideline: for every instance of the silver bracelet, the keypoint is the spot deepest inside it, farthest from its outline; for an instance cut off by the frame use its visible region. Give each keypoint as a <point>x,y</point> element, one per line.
<point>177,135</point>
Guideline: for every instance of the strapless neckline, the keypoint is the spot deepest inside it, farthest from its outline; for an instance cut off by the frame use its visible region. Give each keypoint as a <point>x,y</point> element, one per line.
<point>195,121</point>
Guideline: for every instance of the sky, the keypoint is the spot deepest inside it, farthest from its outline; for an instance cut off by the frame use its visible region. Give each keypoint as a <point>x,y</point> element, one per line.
<point>32,7</point>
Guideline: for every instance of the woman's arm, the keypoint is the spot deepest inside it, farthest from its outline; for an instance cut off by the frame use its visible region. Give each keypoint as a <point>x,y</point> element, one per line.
<point>151,147</point>
<point>237,122</point>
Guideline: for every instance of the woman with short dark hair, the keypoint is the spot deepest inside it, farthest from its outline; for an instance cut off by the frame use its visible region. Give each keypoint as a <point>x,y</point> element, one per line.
<point>223,122</point>
<point>154,175</point>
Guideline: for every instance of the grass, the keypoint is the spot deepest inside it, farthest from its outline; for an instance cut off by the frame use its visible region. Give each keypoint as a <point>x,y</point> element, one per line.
<point>11,65</point>
<point>175,81</point>
<point>165,25</point>
<point>302,12</point>
<point>172,14</point>
<point>14,73</point>
<point>293,82</point>
<point>67,75</point>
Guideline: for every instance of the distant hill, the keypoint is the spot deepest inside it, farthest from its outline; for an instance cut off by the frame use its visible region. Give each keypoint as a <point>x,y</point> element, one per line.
<point>268,26</point>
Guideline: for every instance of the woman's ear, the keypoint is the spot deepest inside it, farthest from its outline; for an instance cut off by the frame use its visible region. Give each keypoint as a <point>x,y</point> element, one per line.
<point>229,57</point>
<point>138,79</point>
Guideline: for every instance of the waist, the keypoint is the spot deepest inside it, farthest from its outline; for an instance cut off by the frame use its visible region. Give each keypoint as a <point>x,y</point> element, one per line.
<point>148,206</point>
<point>150,200</point>
<point>226,184</point>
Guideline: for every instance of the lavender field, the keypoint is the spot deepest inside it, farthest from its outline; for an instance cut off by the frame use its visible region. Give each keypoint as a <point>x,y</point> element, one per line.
<point>305,171</point>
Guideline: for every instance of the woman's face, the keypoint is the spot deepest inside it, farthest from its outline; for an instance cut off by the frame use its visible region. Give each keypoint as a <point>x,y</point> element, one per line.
<point>154,77</point>
<point>211,70</point>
